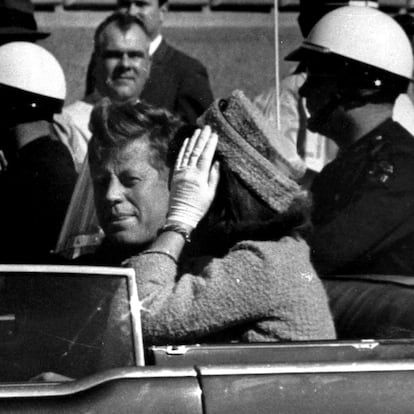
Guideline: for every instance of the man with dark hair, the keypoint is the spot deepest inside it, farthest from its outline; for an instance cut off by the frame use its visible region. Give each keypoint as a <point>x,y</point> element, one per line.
<point>177,81</point>
<point>128,161</point>
<point>122,66</point>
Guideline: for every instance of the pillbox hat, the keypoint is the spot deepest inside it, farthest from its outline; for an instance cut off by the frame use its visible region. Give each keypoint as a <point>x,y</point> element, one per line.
<point>245,145</point>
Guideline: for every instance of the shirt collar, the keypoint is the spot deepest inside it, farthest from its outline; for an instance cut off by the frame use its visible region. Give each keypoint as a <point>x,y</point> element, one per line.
<point>155,44</point>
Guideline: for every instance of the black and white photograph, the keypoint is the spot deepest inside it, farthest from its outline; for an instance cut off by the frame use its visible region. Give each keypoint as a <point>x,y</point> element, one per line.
<point>207,206</point>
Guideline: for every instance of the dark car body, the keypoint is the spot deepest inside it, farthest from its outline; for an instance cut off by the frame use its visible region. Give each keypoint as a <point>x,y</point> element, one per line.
<point>364,376</point>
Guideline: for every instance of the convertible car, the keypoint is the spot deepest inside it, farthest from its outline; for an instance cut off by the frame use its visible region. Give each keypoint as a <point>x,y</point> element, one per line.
<point>71,343</point>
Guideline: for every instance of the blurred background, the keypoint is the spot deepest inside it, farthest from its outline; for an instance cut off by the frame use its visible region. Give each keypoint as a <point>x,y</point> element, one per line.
<point>233,38</point>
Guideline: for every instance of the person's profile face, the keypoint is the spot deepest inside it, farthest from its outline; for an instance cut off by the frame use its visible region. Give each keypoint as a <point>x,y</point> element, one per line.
<point>148,11</point>
<point>123,63</point>
<point>131,196</point>
<point>319,89</point>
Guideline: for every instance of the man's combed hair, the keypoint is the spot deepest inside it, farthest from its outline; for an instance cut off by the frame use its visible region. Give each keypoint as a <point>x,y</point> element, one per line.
<point>123,21</point>
<point>115,125</point>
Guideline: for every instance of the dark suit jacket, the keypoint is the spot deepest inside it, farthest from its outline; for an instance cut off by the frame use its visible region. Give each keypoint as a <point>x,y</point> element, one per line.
<point>37,185</point>
<point>178,82</point>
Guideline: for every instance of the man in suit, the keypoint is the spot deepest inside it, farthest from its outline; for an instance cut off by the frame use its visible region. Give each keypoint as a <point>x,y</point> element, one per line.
<point>177,81</point>
<point>121,66</point>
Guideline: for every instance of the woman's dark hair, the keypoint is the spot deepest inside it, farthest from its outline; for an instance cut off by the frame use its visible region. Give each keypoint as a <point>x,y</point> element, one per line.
<point>237,214</point>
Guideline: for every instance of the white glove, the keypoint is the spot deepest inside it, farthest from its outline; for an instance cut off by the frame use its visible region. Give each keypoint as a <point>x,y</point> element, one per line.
<point>194,180</point>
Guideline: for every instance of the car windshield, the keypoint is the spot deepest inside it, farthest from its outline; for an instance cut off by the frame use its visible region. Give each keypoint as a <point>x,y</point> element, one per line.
<point>70,321</point>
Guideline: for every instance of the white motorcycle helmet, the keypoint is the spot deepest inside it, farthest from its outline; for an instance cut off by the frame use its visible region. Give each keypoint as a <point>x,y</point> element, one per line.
<point>32,82</point>
<point>365,50</point>
<point>361,35</point>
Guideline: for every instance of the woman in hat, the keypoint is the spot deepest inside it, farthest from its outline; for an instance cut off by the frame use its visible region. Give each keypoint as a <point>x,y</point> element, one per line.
<point>246,275</point>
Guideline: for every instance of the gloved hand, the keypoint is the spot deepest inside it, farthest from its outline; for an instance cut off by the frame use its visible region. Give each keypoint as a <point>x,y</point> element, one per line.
<point>194,180</point>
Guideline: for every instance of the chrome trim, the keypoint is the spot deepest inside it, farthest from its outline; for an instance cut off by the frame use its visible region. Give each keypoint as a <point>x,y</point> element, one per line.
<point>145,373</point>
<point>360,344</point>
<point>91,270</point>
<point>308,368</point>
<point>177,349</point>
<point>394,279</point>
<point>366,344</point>
<point>135,309</point>
<point>73,387</point>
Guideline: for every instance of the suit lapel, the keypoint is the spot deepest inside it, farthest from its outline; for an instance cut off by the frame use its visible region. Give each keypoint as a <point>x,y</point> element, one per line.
<point>161,53</point>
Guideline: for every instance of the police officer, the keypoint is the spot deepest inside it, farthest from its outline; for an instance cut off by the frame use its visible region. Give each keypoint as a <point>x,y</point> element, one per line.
<point>39,176</point>
<point>358,61</point>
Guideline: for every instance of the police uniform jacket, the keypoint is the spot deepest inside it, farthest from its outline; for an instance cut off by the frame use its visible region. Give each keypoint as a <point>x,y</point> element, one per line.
<point>36,189</point>
<point>364,206</point>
